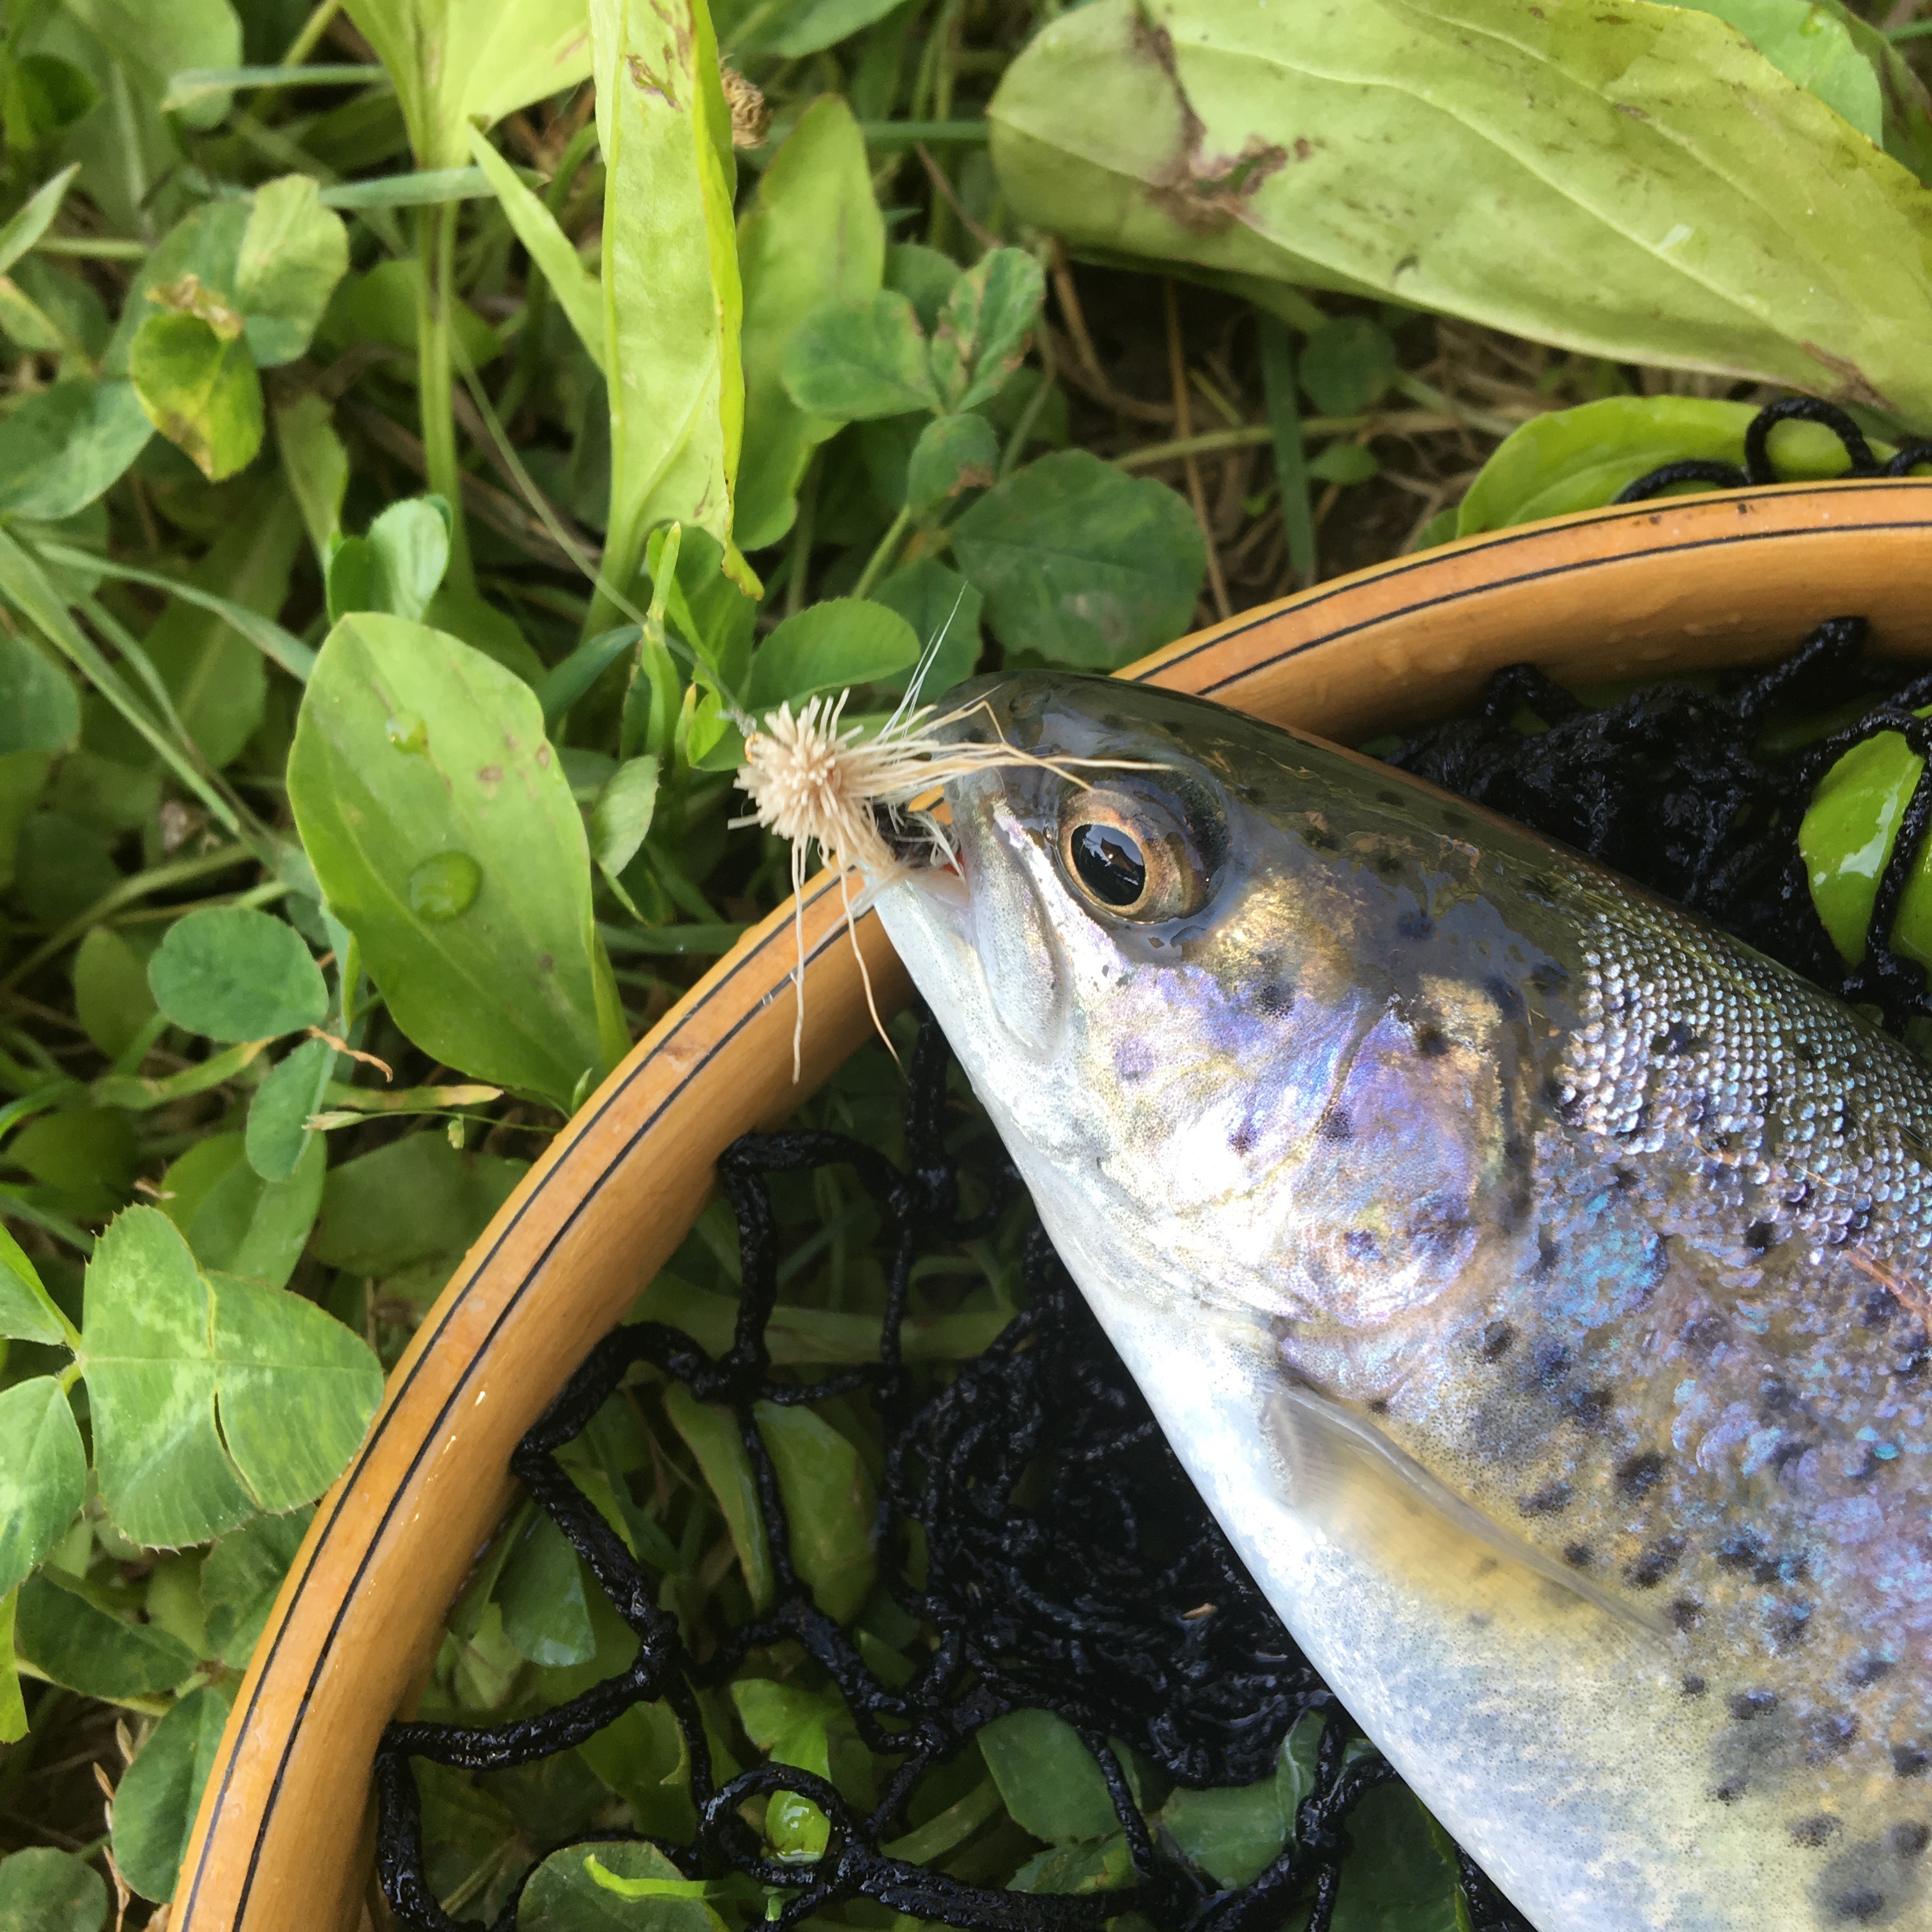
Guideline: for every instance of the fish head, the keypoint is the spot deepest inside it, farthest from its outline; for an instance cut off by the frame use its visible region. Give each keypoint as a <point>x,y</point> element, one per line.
<point>1178,952</point>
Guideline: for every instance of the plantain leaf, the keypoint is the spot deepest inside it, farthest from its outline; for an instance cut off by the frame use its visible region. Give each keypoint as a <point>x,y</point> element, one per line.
<point>1564,172</point>
<point>442,830</point>
<point>457,62</point>
<point>813,233</point>
<point>672,299</point>
<point>1580,459</point>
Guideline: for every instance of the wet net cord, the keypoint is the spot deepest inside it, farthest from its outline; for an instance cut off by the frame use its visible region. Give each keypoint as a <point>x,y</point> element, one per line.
<point>1057,1606</point>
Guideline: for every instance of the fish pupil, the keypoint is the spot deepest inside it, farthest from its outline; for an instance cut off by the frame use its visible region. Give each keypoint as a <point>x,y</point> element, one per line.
<point>1109,862</point>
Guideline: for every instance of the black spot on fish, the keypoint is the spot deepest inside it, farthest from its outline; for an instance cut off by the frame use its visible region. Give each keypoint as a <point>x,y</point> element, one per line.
<point>1877,1309</point>
<point>1625,1179</point>
<point>1746,1552</point>
<point>1384,863</point>
<point>1547,977</point>
<point>1508,1001</point>
<point>1686,1613</point>
<point>1909,1760</point>
<point>1320,837</point>
<point>1746,1705</point>
<point>1548,1501</point>
<point>1549,1363</point>
<point>1815,1831</point>
<point>1335,1125</point>
<point>1547,1251</point>
<point>1762,1236</point>
<point>1701,1334</point>
<point>1497,1338</point>
<point>1589,1408</point>
<point>1578,1555</point>
<point>1276,998</point>
<point>1243,1138</point>
<point>1386,797</point>
<point>1133,1059</point>
<point>1909,1840</point>
<point>1868,1670</point>
<point>1360,1244</point>
<point>1729,1792</point>
<point>1693,1685</point>
<point>1653,1563</point>
<point>1858,1906</point>
<point>1678,1038</point>
<point>1637,1475</point>
<point>1793,1449</point>
<point>1415,925</point>
<point>1431,1041</point>
<point>1830,1737</point>
<point>1789,1624</point>
<point>1454,819</point>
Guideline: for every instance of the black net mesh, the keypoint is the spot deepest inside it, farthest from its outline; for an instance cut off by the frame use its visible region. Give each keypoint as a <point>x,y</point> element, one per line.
<point>1064,1561</point>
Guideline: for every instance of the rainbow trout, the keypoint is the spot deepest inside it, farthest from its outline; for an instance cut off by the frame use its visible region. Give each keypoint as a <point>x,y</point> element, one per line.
<point>1533,1279</point>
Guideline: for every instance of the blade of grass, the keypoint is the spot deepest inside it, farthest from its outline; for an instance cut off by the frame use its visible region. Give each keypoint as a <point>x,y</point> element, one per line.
<point>1290,459</point>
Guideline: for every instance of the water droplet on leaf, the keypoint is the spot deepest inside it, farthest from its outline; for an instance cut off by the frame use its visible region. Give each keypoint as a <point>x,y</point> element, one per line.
<point>444,887</point>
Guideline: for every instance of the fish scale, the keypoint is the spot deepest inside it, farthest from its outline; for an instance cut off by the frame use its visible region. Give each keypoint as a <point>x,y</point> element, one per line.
<point>1532,1278</point>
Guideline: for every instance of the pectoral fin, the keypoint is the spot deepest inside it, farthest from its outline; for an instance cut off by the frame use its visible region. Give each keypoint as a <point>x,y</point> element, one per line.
<point>1359,1488</point>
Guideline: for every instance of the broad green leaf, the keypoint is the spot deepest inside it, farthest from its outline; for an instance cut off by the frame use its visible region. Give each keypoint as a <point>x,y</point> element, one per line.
<point>443,832</point>
<point>415,1199</point>
<point>278,1114</point>
<point>107,794</point>
<point>711,1434</point>
<point>1807,44</point>
<point>113,999</point>
<point>594,1887</point>
<point>1081,563</point>
<point>293,253</point>
<point>1402,1871</point>
<point>813,232</point>
<point>622,815</point>
<point>789,1726</point>
<point>985,325</point>
<point>671,294</point>
<point>1345,463</point>
<point>1347,364</point>
<point>1561,174</point>
<point>42,1890</point>
<point>854,358</point>
<point>70,1640</point>
<point>844,640</point>
<point>924,276</point>
<point>233,1219</point>
<point>829,1502</point>
<point>241,1577</point>
<point>40,710</point>
<point>397,566</point>
<point>1233,1833</point>
<point>60,449</point>
<point>155,1802</point>
<point>35,217</point>
<point>953,455</point>
<point>47,96</point>
<point>200,390</point>
<point>1098,1864</point>
<point>164,1348</point>
<point>86,1155</point>
<point>206,244</point>
<point>943,609</point>
<point>1580,459</point>
<point>28,1311</point>
<point>212,666</point>
<point>458,61</point>
<point>555,255</point>
<point>1846,838</point>
<point>153,43</point>
<point>236,973</point>
<point>546,1616</point>
<point>42,1475</point>
<point>381,307</point>
<point>316,465</point>
<point>1051,1785</point>
<point>61,867</point>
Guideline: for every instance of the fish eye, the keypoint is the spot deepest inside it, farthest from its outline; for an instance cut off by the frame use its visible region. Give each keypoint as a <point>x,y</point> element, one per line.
<point>1130,856</point>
